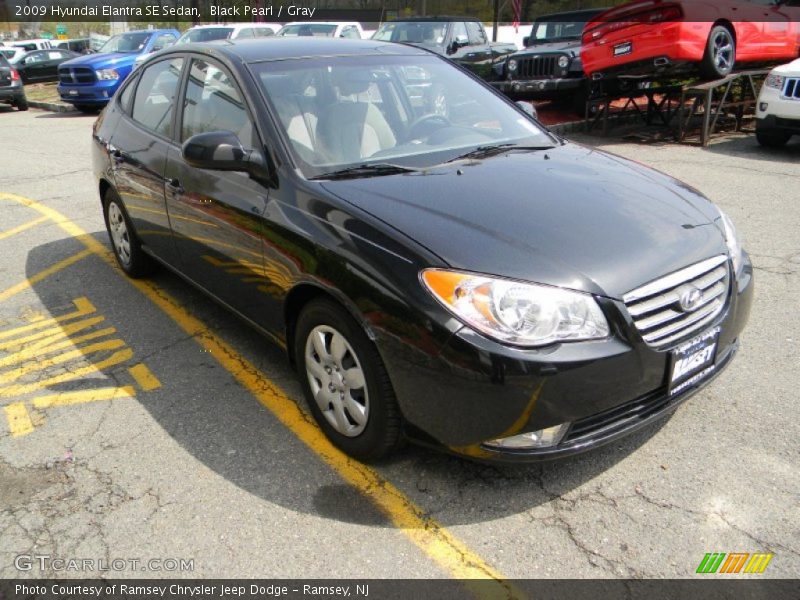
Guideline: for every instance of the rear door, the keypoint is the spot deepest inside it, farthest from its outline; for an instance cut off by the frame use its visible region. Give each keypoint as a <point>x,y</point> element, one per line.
<point>216,216</point>
<point>138,149</point>
<point>34,66</point>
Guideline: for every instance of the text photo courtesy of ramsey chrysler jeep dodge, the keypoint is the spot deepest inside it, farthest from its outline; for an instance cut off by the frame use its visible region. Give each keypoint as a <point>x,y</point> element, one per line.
<point>465,280</point>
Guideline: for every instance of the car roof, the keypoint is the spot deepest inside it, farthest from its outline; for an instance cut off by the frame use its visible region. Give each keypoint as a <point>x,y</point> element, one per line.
<point>448,18</point>
<point>337,23</point>
<point>258,50</point>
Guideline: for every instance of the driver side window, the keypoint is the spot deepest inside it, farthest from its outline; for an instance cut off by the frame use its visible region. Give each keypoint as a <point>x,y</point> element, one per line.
<point>459,32</point>
<point>213,103</point>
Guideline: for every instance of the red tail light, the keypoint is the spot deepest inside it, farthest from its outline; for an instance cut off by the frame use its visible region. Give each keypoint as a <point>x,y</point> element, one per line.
<point>14,75</point>
<point>647,17</point>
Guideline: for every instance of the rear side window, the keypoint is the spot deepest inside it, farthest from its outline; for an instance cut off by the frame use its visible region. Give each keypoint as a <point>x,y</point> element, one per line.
<point>126,95</point>
<point>154,100</point>
<point>213,103</point>
<point>475,31</point>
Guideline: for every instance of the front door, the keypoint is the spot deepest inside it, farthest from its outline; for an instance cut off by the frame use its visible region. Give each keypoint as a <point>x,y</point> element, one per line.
<point>217,216</point>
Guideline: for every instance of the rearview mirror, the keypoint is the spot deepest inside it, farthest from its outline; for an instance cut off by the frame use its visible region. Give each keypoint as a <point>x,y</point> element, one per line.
<point>528,108</point>
<point>222,151</point>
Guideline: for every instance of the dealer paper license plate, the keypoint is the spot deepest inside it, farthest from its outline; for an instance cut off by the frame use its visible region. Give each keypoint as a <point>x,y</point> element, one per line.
<point>693,361</point>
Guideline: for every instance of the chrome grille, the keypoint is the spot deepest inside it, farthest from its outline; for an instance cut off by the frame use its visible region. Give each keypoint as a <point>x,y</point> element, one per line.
<point>543,67</point>
<point>791,89</point>
<point>73,75</point>
<point>656,307</point>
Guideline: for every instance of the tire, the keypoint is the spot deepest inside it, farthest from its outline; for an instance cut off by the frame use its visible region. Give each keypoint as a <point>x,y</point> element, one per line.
<point>772,138</point>
<point>367,424</point>
<point>720,55</point>
<point>21,103</point>
<point>124,241</point>
<point>88,109</point>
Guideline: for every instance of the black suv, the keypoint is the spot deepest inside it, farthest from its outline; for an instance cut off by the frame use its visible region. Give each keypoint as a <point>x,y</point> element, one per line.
<point>549,67</point>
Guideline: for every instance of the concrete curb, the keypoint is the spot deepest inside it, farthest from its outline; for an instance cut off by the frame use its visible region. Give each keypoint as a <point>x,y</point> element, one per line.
<point>51,106</point>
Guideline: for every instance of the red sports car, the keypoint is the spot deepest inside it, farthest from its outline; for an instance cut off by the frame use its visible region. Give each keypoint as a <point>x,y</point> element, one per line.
<point>645,38</point>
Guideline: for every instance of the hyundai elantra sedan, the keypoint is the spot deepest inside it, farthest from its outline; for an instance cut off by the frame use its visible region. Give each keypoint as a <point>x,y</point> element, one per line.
<point>460,278</point>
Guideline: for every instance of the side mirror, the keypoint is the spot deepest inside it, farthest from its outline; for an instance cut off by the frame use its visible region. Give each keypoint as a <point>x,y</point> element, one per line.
<point>526,41</point>
<point>528,108</point>
<point>222,151</point>
<point>458,42</point>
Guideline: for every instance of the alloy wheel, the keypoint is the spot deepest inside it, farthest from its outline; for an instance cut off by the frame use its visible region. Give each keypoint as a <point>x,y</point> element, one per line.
<point>722,50</point>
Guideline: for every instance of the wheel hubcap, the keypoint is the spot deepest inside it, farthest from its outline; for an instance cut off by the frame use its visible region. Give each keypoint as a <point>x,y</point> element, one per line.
<point>723,50</point>
<point>337,380</point>
<point>119,233</point>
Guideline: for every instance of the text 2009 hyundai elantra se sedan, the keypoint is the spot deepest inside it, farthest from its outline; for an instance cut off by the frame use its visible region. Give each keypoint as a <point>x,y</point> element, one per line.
<point>437,266</point>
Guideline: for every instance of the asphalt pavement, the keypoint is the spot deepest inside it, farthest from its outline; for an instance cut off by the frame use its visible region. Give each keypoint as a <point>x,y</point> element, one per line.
<point>143,422</point>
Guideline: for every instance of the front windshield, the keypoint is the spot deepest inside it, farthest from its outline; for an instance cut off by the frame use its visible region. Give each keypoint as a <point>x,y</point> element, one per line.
<point>308,30</point>
<point>412,111</point>
<point>551,31</point>
<point>206,34</point>
<point>126,42</point>
<point>413,32</point>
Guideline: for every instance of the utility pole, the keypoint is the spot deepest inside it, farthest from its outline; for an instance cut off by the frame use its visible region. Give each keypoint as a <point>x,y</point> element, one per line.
<point>496,19</point>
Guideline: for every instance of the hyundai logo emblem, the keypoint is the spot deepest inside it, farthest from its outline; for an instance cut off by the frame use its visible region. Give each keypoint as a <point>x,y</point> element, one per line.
<point>689,298</point>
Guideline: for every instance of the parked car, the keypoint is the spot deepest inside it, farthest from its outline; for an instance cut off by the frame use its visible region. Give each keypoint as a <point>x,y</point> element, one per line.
<point>41,65</point>
<point>461,39</point>
<point>88,82</point>
<point>472,281</point>
<point>34,44</point>
<point>349,30</point>
<point>210,33</point>
<point>79,45</point>
<point>10,52</point>
<point>778,107</point>
<point>549,67</point>
<point>11,90</point>
<point>645,38</point>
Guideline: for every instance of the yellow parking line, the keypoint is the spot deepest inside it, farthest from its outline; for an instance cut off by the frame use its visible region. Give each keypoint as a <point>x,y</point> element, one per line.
<point>84,396</point>
<point>432,538</point>
<point>118,357</point>
<point>144,377</point>
<point>135,208</point>
<point>52,344</point>
<point>23,227</point>
<point>82,308</point>
<point>19,421</point>
<point>30,281</point>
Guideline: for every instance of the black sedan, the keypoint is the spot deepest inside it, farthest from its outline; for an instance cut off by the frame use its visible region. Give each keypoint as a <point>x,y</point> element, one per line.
<point>42,65</point>
<point>462,279</point>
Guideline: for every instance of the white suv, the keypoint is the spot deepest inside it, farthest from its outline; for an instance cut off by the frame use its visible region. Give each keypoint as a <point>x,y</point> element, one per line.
<point>778,109</point>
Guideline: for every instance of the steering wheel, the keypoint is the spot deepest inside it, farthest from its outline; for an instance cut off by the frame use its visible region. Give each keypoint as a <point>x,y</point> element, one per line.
<point>432,117</point>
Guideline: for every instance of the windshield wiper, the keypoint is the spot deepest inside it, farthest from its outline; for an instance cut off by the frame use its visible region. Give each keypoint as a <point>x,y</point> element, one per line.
<point>366,170</point>
<point>492,149</point>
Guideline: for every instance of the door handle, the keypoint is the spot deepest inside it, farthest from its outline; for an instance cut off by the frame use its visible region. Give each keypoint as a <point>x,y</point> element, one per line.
<point>115,153</point>
<point>174,185</point>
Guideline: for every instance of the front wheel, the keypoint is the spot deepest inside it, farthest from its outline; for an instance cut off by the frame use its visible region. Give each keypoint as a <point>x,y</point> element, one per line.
<point>127,247</point>
<point>720,54</point>
<point>345,382</point>
<point>772,138</point>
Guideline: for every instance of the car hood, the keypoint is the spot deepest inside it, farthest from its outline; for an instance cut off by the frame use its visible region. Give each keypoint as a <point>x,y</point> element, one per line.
<point>568,46</point>
<point>102,61</point>
<point>437,48</point>
<point>572,216</point>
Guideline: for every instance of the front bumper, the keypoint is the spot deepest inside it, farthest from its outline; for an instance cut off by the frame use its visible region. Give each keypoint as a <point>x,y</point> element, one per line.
<point>775,111</point>
<point>539,86</point>
<point>477,390</point>
<point>98,93</point>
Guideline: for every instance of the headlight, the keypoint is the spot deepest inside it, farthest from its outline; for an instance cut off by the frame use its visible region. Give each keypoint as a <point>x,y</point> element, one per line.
<point>732,240</point>
<point>523,314</point>
<point>107,74</point>
<point>774,80</point>
<point>512,65</point>
<point>563,62</point>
